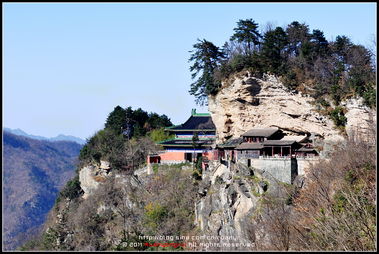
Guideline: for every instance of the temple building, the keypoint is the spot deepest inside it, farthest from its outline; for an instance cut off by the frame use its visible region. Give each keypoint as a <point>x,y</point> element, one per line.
<point>183,148</point>
<point>265,142</point>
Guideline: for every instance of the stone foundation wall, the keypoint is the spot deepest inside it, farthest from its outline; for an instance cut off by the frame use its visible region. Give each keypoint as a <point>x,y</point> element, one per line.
<point>303,164</point>
<point>282,169</point>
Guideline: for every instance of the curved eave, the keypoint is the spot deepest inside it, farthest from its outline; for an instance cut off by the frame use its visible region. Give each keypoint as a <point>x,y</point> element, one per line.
<point>193,130</point>
<point>188,145</point>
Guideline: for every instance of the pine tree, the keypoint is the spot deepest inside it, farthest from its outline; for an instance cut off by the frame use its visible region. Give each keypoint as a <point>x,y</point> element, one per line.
<point>297,34</point>
<point>116,120</point>
<point>247,33</point>
<point>206,57</point>
<point>274,44</point>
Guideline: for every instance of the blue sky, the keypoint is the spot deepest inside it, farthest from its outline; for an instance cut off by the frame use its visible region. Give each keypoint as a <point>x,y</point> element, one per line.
<point>66,66</point>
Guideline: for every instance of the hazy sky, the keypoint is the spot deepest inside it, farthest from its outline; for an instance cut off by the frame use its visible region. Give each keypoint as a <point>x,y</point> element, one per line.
<point>66,66</point>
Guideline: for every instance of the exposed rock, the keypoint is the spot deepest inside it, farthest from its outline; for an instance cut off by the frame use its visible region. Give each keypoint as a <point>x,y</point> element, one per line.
<point>360,118</point>
<point>262,187</point>
<point>92,176</point>
<point>277,107</point>
<point>105,165</point>
<point>87,182</point>
<point>225,211</point>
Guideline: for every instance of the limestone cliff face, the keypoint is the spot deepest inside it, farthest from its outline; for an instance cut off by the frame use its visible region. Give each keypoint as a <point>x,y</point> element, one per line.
<point>246,102</point>
<point>92,176</point>
<point>231,206</point>
<point>360,118</point>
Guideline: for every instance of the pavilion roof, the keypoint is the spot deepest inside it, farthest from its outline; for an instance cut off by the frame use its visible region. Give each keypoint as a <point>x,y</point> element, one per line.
<point>278,142</point>
<point>186,142</point>
<point>296,138</point>
<point>231,143</point>
<point>261,132</point>
<point>249,146</point>
<point>196,122</point>
<point>306,149</point>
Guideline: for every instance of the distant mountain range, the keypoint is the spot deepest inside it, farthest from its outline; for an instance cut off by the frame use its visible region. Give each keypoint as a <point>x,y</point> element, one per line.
<point>57,138</point>
<point>34,171</point>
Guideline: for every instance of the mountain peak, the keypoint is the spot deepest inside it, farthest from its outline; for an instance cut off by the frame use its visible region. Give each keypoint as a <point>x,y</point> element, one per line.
<point>60,137</point>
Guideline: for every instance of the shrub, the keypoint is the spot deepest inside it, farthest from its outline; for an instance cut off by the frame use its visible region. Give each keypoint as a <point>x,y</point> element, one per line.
<point>338,116</point>
<point>158,135</point>
<point>154,215</point>
<point>155,168</point>
<point>336,209</point>
<point>72,189</point>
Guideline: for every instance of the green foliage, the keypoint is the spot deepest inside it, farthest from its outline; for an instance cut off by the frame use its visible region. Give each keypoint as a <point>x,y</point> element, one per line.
<point>369,96</point>
<point>289,79</point>
<point>219,180</point>
<point>72,189</point>
<point>196,174</point>
<point>116,120</point>
<point>273,50</point>
<point>156,121</point>
<point>169,205</point>
<point>340,202</point>
<point>319,44</point>
<point>206,57</point>
<point>135,122</point>
<point>158,135</point>
<point>122,142</point>
<point>337,210</point>
<point>324,103</point>
<point>298,34</point>
<point>338,117</point>
<point>304,61</point>
<point>107,144</point>
<point>30,245</point>
<point>199,163</point>
<point>247,33</point>
<point>155,168</point>
<point>154,215</point>
<point>240,62</point>
<point>49,239</point>
<point>195,140</point>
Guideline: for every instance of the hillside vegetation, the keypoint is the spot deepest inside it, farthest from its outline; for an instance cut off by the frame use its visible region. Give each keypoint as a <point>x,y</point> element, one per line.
<point>305,61</point>
<point>121,209</point>
<point>34,171</point>
<point>126,139</point>
<point>332,208</point>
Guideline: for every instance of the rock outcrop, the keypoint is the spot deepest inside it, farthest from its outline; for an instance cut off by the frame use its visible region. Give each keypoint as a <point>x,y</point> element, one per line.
<point>229,206</point>
<point>360,118</point>
<point>247,102</point>
<point>92,176</point>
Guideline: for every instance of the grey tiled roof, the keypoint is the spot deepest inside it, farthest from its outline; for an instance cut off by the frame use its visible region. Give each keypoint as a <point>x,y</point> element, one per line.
<point>195,123</point>
<point>278,142</point>
<point>306,149</point>
<point>232,143</point>
<point>186,142</point>
<point>249,146</point>
<point>263,132</point>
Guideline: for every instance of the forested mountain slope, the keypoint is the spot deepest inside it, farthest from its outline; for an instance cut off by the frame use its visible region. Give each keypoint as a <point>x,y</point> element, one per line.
<point>33,173</point>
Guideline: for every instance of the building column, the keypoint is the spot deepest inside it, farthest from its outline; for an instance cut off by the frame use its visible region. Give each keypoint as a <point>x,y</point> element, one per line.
<point>272,148</point>
<point>281,151</point>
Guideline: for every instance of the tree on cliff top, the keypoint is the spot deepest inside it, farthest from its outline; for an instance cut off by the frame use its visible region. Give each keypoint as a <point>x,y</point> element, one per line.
<point>206,57</point>
<point>247,32</point>
<point>116,119</point>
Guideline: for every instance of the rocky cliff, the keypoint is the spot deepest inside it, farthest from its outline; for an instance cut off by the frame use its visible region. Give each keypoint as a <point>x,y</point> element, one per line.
<point>361,120</point>
<point>232,207</point>
<point>245,102</point>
